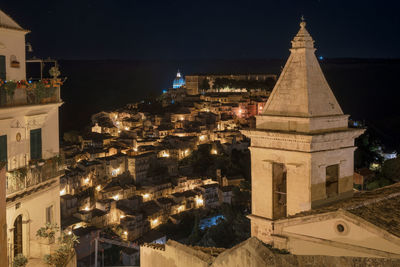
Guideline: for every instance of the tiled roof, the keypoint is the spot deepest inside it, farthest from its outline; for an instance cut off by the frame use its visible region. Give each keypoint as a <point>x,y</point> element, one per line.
<point>379,207</point>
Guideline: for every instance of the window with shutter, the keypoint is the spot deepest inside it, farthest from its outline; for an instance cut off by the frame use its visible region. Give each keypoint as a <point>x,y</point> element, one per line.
<point>2,67</point>
<point>3,148</point>
<point>36,144</point>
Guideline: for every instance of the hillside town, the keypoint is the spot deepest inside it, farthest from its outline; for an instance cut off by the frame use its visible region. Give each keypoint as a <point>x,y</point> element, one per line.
<point>133,170</point>
<point>219,169</point>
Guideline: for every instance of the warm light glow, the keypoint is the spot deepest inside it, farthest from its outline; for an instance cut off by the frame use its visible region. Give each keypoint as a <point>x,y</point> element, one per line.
<point>98,188</point>
<point>125,233</point>
<point>146,196</point>
<point>69,232</point>
<point>240,111</point>
<point>86,181</point>
<point>214,151</point>
<point>135,149</point>
<point>87,208</point>
<point>62,192</point>
<point>155,221</point>
<point>181,118</point>
<point>78,225</point>
<point>187,151</point>
<point>165,154</point>
<point>115,172</point>
<point>126,128</point>
<point>122,216</point>
<point>199,202</point>
<point>374,166</point>
<point>116,197</point>
<point>181,208</point>
<point>202,137</point>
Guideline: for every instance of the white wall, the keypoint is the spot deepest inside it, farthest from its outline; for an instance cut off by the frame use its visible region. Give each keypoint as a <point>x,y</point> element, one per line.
<point>12,42</point>
<point>23,119</point>
<point>354,234</point>
<point>33,210</point>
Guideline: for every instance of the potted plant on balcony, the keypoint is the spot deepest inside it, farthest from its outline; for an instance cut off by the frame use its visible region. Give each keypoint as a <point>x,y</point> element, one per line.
<point>43,91</point>
<point>22,84</point>
<point>32,163</point>
<point>20,261</point>
<point>65,252</point>
<point>9,87</point>
<point>21,174</point>
<point>47,233</point>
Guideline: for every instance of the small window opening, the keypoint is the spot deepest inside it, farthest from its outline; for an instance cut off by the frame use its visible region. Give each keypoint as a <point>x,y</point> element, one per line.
<point>332,180</point>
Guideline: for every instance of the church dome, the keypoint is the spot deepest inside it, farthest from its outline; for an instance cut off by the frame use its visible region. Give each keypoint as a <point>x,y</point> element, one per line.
<point>179,81</point>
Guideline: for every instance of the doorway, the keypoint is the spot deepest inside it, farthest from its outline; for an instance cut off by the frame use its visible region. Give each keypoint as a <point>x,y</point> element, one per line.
<point>18,236</point>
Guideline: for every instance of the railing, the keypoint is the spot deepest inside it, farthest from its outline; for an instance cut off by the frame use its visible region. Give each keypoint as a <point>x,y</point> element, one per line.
<point>30,176</point>
<point>25,93</point>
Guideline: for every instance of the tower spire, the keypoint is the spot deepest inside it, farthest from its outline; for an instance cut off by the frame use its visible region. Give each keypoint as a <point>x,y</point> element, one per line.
<point>302,90</point>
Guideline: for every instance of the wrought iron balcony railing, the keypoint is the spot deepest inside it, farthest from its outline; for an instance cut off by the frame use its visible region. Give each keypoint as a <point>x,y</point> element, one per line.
<point>36,173</point>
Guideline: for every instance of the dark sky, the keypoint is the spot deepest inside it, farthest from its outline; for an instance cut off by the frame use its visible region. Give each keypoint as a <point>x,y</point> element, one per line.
<point>145,29</point>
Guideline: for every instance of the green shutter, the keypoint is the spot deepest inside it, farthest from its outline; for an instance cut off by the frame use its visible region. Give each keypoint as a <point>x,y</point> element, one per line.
<point>3,148</point>
<point>2,67</point>
<point>36,144</point>
<point>3,95</point>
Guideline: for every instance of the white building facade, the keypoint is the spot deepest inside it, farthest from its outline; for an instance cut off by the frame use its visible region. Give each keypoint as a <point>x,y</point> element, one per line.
<point>29,143</point>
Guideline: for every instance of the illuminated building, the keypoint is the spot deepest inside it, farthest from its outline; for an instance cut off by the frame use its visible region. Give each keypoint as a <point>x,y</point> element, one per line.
<point>205,83</point>
<point>179,81</point>
<point>29,143</point>
<point>302,163</point>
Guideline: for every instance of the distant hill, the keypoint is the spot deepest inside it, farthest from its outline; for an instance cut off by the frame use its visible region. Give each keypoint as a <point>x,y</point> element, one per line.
<point>366,89</point>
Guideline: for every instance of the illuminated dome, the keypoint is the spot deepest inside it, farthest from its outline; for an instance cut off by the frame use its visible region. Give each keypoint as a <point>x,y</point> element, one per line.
<point>179,81</point>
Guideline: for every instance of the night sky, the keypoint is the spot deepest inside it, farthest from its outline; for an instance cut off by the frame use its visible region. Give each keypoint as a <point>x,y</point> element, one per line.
<point>130,29</point>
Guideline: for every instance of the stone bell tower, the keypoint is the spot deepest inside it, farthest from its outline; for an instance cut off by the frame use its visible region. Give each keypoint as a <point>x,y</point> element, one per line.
<point>302,150</point>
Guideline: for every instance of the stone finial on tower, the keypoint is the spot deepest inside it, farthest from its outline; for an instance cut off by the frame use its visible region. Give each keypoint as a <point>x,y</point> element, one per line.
<point>303,39</point>
<point>302,22</point>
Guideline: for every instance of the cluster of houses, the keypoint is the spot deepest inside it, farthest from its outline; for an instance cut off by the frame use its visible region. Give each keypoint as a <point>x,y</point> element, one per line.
<point>126,173</point>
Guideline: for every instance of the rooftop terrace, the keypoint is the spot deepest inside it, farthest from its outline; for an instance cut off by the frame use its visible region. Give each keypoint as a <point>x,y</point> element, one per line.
<point>22,93</point>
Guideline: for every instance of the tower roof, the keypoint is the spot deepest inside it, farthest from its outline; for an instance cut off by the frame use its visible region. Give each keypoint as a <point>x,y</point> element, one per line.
<point>7,22</point>
<point>302,90</point>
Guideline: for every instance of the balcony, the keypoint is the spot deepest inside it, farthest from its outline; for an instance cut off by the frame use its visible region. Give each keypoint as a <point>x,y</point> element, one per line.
<point>36,173</point>
<point>22,93</point>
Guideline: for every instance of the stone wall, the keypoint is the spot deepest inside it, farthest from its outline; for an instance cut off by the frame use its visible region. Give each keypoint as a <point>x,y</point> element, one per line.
<point>251,252</point>
<point>173,254</point>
